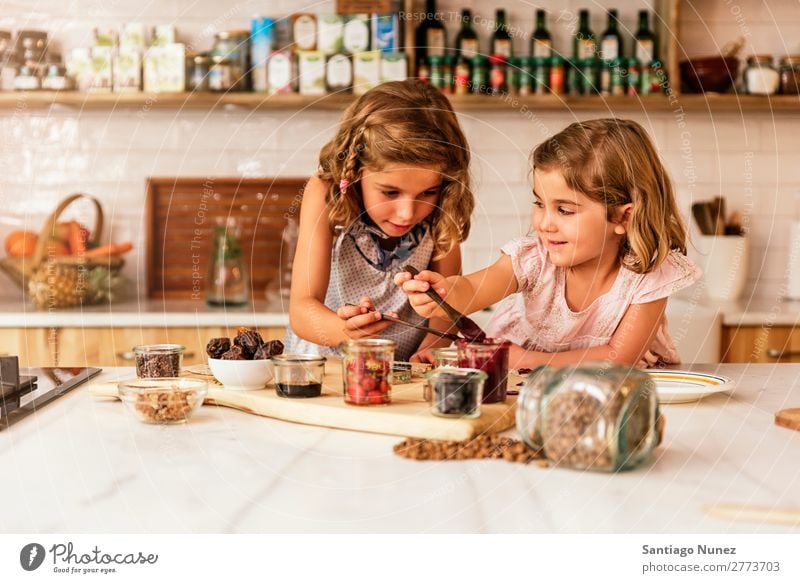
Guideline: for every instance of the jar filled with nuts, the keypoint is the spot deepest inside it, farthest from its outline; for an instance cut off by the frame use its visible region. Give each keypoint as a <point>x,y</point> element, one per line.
<point>593,416</point>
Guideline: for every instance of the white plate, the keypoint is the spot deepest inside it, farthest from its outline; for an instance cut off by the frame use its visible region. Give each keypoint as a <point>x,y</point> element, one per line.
<point>683,386</point>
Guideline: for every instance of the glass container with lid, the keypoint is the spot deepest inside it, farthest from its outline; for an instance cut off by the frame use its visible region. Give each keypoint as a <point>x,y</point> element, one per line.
<point>299,375</point>
<point>760,77</point>
<point>790,75</point>
<point>592,416</point>
<point>490,356</point>
<point>367,371</point>
<point>457,392</point>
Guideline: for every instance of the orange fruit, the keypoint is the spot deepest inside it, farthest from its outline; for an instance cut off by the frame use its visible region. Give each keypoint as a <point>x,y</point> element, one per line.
<point>20,243</point>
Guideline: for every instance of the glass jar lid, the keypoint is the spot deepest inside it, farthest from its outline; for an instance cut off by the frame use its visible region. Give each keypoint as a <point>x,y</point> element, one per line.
<point>159,349</point>
<point>368,344</point>
<point>294,359</point>
<point>760,60</point>
<point>790,60</point>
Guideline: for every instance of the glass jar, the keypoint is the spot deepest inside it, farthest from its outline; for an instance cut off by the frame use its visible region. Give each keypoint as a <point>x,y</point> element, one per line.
<point>479,75</point>
<point>760,77</point>
<point>556,75</point>
<point>457,392</point>
<point>497,74</point>
<point>790,75</point>
<point>158,360</point>
<point>367,371</point>
<point>220,74</point>
<point>540,75</point>
<point>27,79</point>
<point>446,357</point>
<point>228,282</point>
<point>298,376</point>
<point>197,72</point>
<point>491,357</point>
<point>234,45</point>
<point>55,78</point>
<point>591,416</point>
<point>436,71</point>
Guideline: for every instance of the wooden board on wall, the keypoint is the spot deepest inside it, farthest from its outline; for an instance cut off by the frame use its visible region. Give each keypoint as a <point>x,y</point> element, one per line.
<point>181,214</point>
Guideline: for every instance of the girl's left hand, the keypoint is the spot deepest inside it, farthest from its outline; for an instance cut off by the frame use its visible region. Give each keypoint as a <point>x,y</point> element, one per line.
<point>362,321</point>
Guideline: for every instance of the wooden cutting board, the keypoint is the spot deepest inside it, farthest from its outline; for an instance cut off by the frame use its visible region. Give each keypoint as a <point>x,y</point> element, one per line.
<point>408,415</point>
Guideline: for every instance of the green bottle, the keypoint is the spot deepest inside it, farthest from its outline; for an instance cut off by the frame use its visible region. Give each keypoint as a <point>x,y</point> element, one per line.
<point>646,50</point>
<point>542,42</point>
<point>467,44</point>
<point>611,42</point>
<point>501,39</point>
<point>585,45</point>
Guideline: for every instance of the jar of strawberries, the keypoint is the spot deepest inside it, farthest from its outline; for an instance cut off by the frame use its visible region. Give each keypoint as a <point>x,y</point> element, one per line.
<point>367,371</point>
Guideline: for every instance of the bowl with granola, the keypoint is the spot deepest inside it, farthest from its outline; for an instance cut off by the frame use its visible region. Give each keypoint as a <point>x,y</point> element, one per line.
<point>165,400</point>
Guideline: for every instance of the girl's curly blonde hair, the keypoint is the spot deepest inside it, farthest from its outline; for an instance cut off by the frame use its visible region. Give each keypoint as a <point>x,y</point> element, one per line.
<point>614,162</point>
<point>405,122</point>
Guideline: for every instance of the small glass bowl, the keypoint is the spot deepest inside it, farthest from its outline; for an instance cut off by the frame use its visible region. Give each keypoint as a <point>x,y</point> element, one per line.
<point>298,376</point>
<point>446,357</point>
<point>167,400</point>
<point>154,361</point>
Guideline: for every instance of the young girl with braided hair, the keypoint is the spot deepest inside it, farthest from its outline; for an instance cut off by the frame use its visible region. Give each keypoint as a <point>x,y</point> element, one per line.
<point>392,190</point>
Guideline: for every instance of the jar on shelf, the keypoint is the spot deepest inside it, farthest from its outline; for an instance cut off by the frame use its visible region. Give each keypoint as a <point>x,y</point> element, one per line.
<point>234,45</point>
<point>55,78</point>
<point>367,371</point>
<point>457,392</point>
<point>490,356</point>
<point>790,75</point>
<point>760,76</point>
<point>497,74</point>
<point>27,78</point>
<point>590,416</point>
<point>197,72</point>
<point>220,74</point>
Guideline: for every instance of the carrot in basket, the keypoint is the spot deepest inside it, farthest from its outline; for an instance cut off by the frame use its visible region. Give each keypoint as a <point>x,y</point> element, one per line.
<point>108,250</point>
<point>77,239</point>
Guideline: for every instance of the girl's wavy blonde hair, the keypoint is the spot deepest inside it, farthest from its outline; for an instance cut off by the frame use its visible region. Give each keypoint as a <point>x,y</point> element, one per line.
<point>613,161</point>
<point>405,122</point>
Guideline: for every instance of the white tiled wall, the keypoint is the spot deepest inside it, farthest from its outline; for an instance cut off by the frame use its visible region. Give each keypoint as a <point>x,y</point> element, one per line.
<point>44,154</point>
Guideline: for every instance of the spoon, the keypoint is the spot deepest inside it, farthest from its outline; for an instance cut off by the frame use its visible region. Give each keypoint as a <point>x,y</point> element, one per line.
<point>412,325</point>
<point>468,328</point>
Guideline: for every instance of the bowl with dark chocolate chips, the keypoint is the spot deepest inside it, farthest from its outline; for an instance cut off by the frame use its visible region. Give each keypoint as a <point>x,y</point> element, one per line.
<point>243,362</point>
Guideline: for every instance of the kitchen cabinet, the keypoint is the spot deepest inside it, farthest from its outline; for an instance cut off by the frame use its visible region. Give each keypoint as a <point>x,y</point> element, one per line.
<point>108,346</point>
<point>765,344</point>
<point>34,346</point>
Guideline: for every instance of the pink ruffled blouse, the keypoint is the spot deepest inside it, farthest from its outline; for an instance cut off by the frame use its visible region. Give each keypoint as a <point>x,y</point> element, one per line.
<point>538,317</point>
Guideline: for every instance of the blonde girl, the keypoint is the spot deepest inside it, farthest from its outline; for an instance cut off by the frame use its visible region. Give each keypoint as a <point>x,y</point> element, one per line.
<point>392,190</point>
<point>607,249</point>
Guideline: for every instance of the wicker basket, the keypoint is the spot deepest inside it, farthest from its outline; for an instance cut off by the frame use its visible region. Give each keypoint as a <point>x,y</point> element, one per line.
<point>55,281</point>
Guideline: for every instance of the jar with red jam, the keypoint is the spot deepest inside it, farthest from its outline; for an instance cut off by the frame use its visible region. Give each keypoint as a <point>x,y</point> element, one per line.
<point>367,371</point>
<point>490,356</point>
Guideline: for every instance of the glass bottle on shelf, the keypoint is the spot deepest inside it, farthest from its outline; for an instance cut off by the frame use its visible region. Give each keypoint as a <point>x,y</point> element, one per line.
<point>611,42</point>
<point>645,40</point>
<point>467,44</point>
<point>228,282</point>
<point>431,38</point>
<point>501,39</point>
<point>542,42</point>
<point>585,45</point>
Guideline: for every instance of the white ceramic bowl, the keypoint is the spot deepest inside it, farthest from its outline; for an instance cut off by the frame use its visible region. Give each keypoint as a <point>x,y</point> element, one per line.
<point>242,375</point>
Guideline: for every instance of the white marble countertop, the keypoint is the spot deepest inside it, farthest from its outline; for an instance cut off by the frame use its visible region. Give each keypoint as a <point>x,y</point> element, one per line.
<point>145,313</point>
<point>84,464</point>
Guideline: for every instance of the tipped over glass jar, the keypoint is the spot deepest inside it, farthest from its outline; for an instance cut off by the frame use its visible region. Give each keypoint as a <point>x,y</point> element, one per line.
<point>590,417</point>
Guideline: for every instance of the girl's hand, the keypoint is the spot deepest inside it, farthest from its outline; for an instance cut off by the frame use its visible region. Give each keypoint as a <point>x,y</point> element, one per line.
<point>362,321</point>
<point>416,286</point>
<point>423,356</point>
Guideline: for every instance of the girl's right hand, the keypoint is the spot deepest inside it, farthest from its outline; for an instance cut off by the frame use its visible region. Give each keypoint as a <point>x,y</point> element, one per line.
<point>416,286</point>
<point>362,321</point>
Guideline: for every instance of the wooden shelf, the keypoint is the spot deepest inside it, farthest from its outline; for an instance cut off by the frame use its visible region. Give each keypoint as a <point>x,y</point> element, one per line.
<point>710,102</point>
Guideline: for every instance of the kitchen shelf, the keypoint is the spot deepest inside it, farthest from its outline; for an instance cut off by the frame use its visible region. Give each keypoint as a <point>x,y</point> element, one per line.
<point>713,103</point>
